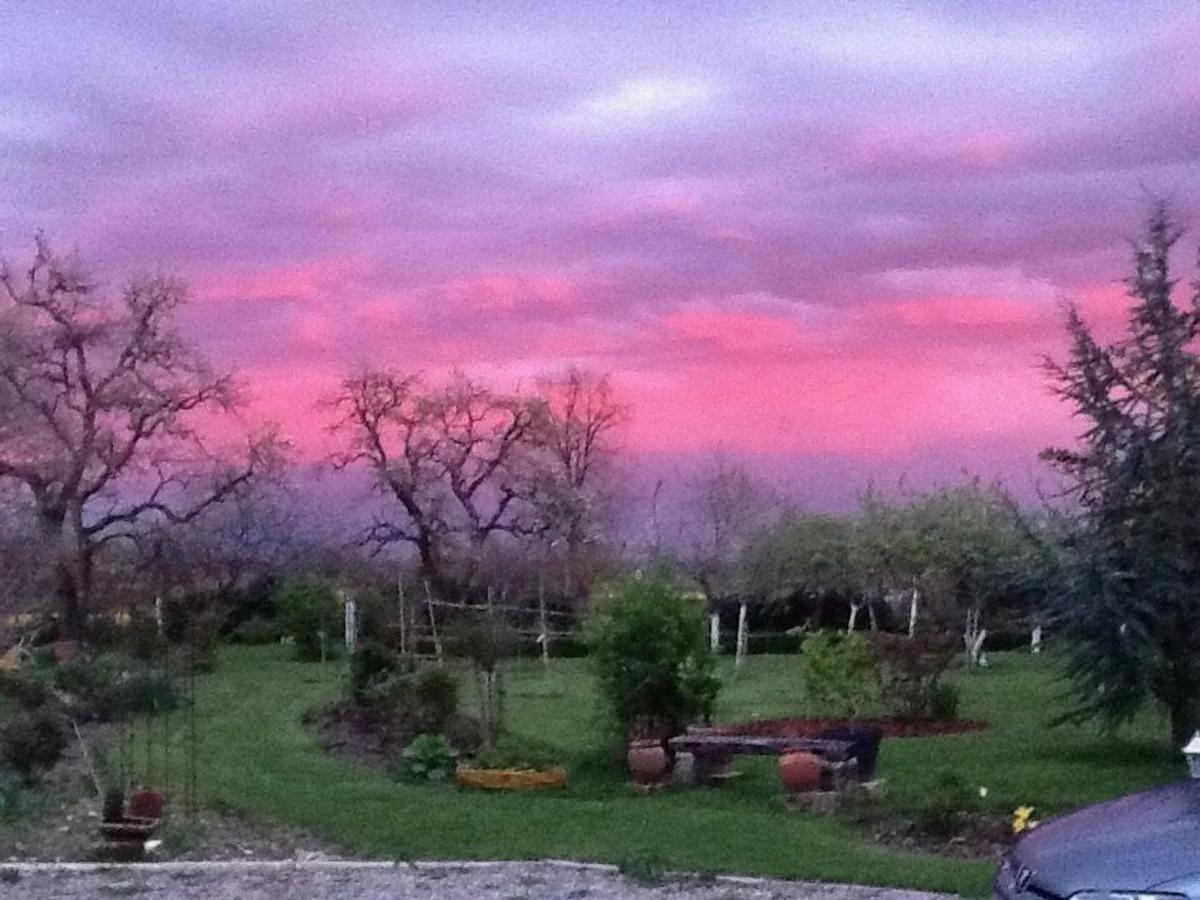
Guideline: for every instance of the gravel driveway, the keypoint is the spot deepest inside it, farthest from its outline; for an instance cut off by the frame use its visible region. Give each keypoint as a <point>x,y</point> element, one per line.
<point>376,881</point>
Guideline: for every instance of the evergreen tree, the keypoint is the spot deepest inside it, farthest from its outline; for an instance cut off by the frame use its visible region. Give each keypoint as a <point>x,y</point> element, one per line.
<point>1130,603</point>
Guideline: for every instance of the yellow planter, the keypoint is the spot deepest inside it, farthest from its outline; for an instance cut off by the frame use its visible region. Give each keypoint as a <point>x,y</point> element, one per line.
<point>511,779</point>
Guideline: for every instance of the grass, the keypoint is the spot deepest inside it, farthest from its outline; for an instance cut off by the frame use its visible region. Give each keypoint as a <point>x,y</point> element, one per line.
<point>257,756</point>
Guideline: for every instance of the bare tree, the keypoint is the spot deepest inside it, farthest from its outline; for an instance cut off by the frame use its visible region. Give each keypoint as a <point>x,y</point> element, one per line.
<point>453,458</point>
<point>100,411</point>
<point>727,505</point>
<point>578,414</point>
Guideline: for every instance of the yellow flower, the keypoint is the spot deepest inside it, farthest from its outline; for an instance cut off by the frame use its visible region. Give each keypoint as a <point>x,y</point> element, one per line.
<point>1022,819</point>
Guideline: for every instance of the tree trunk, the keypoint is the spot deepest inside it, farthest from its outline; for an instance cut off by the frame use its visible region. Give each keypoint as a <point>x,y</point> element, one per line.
<point>72,575</point>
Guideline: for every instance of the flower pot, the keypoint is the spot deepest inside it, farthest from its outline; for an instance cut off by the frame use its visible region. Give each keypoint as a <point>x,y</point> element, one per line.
<point>799,772</point>
<point>146,804</point>
<point>647,761</point>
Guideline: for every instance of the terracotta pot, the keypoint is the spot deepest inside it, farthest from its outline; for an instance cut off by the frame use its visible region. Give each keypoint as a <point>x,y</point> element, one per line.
<point>800,772</point>
<point>647,761</point>
<point>146,803</point>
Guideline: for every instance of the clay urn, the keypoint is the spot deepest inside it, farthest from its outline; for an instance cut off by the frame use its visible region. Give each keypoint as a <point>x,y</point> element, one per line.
<point>800,772</point>
<point>647,761</point>
<point>146,804</point>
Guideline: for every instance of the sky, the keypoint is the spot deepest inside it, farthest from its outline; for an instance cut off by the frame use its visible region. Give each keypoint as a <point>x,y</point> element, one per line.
<point>833,240</point>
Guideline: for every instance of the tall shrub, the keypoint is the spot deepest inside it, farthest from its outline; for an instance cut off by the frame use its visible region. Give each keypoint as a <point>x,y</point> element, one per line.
<point>655,668</point>
<point>311,615</point>
<point>836,670</point>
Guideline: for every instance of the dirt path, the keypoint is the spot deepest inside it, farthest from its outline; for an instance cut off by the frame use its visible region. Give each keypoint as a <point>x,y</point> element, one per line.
<point>329,880</point>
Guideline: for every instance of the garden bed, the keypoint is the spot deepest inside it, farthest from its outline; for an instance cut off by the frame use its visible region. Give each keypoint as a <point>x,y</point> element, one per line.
<point>890,726</point>
<point>979,836</point>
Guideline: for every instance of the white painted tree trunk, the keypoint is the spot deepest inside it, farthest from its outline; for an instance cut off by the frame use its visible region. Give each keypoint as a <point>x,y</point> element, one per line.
<point>973,637</point>
<point>914,610</point>
<point>714,633</point>
<point>351,626</point>
<point>158,615</point>
<point>743,637</point>
<point>855,607</point>
<point>1035,640</point>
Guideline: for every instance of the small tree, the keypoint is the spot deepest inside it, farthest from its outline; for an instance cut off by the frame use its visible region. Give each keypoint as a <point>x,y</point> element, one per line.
<point>311,615</point>
<point>1130,600</point>
<point>655,668</point>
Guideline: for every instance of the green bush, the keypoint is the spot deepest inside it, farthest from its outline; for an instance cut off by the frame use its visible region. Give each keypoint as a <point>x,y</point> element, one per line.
<point>435,691</point>
<point>428,758</point>
<point>144,692</point>
<point>946,805</point>
<point>88,681</point>
<point>909,672</point>
<point>944,702</point>
<point>10,794</point>
<point>836,669</point>
<point>652,658</point>
<point>257,630</point>
<point>202,635</point>
<point>28,688</point>
<point>312,615</point>
<point>32,740</point>
<point>371,665</point>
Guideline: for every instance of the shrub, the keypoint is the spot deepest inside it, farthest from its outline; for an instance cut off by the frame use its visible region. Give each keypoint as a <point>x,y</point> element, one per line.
<point>27,688</point>
<point>257,630</point>
<point>202,635</point>
<point>145,692</point>
<point>435,691</point>
<point>428,758</point>
<point>947,803</point>
<point>909,672</point>
<point>371,665</point>
<point>652,658</point>
<point>485,640</point>
<point>944,702</point>
<point>88,681</point>
<point>32,740</point>
<point>10,794</point>
<point>836,669</point>
<point>311,615</point>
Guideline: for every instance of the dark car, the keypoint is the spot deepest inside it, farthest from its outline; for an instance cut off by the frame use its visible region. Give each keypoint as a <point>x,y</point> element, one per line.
<point>1139,847</point>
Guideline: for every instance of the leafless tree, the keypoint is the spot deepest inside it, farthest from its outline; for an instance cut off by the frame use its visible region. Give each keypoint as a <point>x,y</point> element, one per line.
<point>257,532</point>
<point>101,410</point>
<point>579,414</point>
<point>453,457</point>
<point>726,504</point>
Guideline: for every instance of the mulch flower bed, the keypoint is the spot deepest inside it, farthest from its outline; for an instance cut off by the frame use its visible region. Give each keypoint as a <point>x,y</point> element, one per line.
<point>979,837</point>
<point>813,727</point>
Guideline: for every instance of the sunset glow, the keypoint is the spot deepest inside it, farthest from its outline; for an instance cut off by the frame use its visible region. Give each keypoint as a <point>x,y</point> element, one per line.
<point>833,242</point>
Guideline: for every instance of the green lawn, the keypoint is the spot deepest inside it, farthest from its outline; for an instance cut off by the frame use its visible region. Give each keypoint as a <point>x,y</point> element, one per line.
<point>258,757</point>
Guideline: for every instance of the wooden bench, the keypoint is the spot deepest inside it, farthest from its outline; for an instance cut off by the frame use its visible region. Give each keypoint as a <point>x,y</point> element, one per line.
<point>711,754</point>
